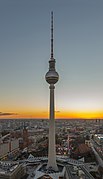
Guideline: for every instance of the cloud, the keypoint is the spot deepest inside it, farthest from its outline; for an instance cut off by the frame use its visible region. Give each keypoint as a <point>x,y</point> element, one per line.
<point>7,114</point>
<point>57,111</point>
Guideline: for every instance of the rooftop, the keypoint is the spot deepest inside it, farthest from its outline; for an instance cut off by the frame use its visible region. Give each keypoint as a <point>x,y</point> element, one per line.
<point>42,171</point>
<point>50,170</point>
<point>76,172</point>
<point>7,167</point>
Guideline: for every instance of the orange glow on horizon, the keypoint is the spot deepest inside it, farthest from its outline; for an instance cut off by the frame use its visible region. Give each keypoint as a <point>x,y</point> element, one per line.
<point>58,114</point>
<point>80,114</point>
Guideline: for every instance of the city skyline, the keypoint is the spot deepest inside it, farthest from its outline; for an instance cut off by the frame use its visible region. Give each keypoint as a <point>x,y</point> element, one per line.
<point>25,50</point>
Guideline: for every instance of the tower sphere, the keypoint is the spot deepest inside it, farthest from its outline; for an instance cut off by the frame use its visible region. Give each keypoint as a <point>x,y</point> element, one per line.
<point>52,77</point>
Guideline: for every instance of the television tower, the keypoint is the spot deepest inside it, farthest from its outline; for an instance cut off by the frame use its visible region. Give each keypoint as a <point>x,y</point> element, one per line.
<point>52,77</point>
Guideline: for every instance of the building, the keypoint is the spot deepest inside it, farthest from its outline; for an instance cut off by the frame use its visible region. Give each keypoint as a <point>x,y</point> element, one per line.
<point>87,141</point>
<point>98,139</point>
<point>25,137</point>
<point>4,149</point>
<point>80,172</point>
<point>9,146</point>
<point>43,173</point>
<point>11,170</point>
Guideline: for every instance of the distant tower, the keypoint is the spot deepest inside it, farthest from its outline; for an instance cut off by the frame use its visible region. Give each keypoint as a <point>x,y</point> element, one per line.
<point>68,143</point>
<point>25,136</point>
<point>52,77</point>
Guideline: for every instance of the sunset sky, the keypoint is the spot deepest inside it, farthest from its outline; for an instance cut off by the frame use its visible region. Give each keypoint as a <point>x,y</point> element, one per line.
<point>25,51</point>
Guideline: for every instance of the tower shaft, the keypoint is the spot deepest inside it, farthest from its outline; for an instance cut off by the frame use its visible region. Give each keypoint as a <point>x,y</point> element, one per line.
<point>52,150</point>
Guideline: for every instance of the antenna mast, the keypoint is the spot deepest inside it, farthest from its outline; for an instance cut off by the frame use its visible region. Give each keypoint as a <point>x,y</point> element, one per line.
<point>52,34</point>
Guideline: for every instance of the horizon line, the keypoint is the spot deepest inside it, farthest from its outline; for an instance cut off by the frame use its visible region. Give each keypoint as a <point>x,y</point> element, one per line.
<point>49,119</point>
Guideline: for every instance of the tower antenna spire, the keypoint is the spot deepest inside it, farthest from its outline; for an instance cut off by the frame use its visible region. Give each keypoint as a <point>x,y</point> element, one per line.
<point>51,34</point>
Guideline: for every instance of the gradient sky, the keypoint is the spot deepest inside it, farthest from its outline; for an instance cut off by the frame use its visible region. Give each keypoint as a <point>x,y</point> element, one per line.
<point>25,51</point>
